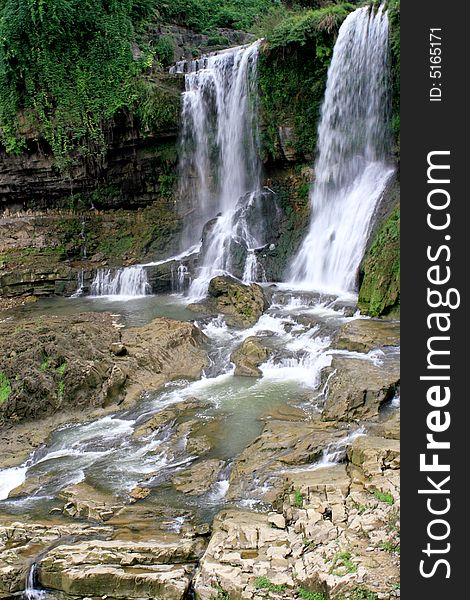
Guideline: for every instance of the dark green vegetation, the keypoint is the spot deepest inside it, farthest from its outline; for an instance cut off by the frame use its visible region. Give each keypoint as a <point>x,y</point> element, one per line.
<point>380,289</point>
<point>292,76</point>
<point>68,66</point>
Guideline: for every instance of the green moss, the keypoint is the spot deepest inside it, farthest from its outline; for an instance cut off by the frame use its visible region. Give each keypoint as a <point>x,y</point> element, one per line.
<point>379,291</point>
<point>5,388</point>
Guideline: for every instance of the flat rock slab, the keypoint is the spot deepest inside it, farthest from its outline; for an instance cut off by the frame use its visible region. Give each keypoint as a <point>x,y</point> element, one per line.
<point>363,335</point>
<point>158,568</point>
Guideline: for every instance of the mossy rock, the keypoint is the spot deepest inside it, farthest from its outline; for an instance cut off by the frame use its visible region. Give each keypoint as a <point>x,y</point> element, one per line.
<point>379,293</point>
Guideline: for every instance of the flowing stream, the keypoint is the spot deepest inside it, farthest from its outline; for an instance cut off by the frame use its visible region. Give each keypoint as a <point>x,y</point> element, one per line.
<point>353,165</point>
<point>107,454</point>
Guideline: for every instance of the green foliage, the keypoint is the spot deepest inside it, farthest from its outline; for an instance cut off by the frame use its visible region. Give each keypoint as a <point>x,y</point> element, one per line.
<point>263,583</point>
<point>45,363</point>
<point>221,595</point>
<point>306,595</point>
<point>165,49</point>
<point>391,547</point>
<point>66,67</point>
<point>384,497</point>
<point>342,564</point>
<point>5,388</point>
<point>61,368</point>
<point>292,73</point>
<point>206,15</point>
<point>298,499</point>
<point>303,27</point>
<point>157,108</point>
<point>360,593</point>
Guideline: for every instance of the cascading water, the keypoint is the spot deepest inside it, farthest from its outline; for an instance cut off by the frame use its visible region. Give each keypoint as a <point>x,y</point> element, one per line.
<point>130,282</point>
<point>219,166</point>
<point>353,166</point>
<point>31,592</point>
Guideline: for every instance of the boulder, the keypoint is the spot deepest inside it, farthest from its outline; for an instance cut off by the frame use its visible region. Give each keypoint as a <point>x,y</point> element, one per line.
<point>241,304</point>
<point>82,501</point>
<point>357,388</point>
<point>248,356</point>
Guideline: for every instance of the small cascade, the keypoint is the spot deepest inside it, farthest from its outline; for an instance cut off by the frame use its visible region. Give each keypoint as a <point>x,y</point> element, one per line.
<point>32,592</point>
<point>80,284</point>
<point>129,282</point>
<point>179,278</point>
<point>220,184</point>
<point>353,165</point>
<point>83,249</point>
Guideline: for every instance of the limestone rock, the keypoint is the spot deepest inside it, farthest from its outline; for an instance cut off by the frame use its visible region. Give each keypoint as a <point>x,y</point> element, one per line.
<point>248,356</point>
<point>157,568</point>
<point>357,388</point>
<point>362,335</point>
<point>241,304</point>
<point>84,502</point>
<point>198,479</point>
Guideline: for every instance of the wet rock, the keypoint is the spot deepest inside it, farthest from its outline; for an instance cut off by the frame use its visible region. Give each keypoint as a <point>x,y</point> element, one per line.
<point>288,141</point>
<point>20,543</point>
<point>248,356</point>
<point>363,335</point>
<point>281,446</point>
<point>241,304</point>
<point>357,388</point>
<point>158,568</point>
<point>118,349</point>
<point>139,493</point>
<point>198,479</point>
<point>64,364</point>
<point>82,501</point>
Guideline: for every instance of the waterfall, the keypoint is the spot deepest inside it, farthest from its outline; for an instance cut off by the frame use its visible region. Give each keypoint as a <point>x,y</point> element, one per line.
<point>219,162</point>
<point>353,167</point>
<point>31,592</point>
<point>126,283</point>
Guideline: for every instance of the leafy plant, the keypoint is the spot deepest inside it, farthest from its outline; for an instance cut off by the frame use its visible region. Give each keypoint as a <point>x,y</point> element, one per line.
<point>5,388</point>
<point>298,499</point>
<point>263,583</point>
<point>342,560</point>
<point>384,497</point>
<point>306,595</point>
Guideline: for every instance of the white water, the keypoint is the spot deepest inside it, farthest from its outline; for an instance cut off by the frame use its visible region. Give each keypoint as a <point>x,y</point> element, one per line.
<point>31,593</point>
<point>106,450</point>
<point>219,165</point>
<point>122,284</point>
<point>353,166</point>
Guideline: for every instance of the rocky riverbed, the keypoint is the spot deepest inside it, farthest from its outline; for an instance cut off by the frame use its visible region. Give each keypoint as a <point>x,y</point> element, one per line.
<point>274,475</point>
